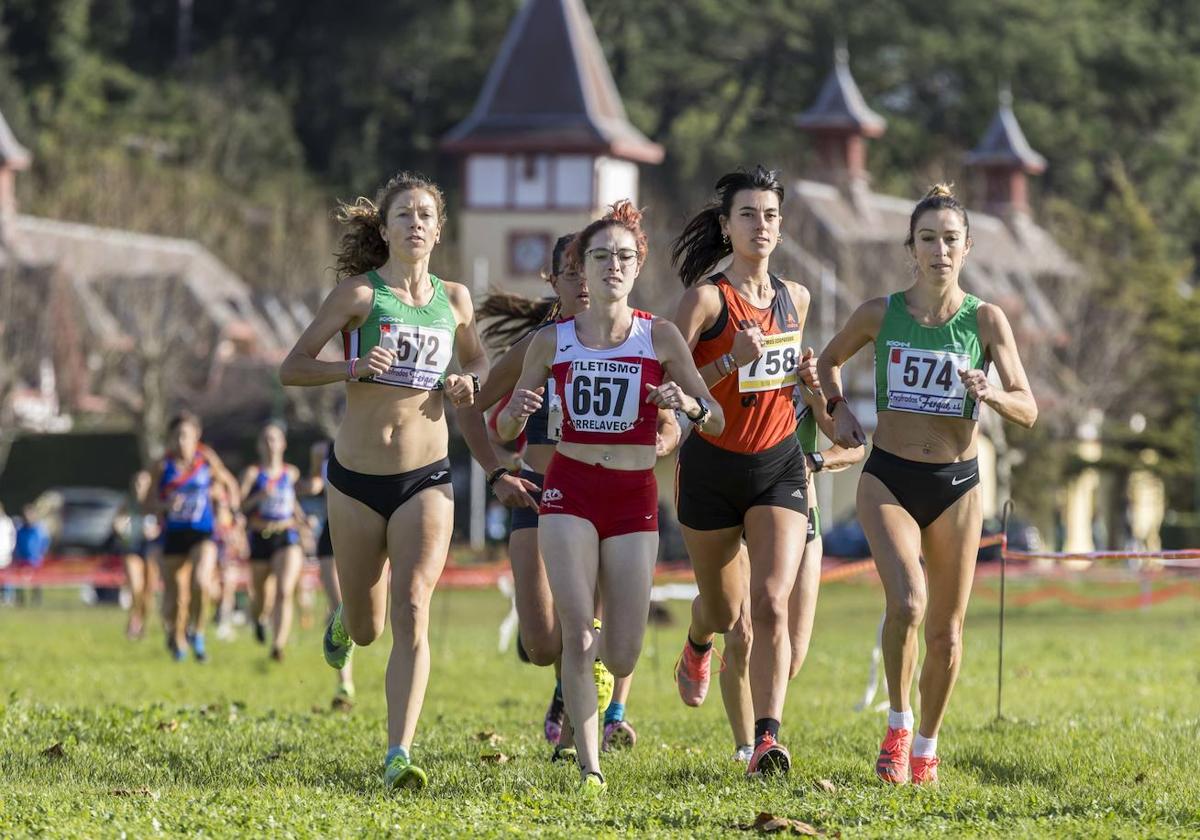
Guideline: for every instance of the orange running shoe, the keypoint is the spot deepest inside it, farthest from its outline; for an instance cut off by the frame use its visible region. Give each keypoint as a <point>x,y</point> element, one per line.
<point>770,757</point>
<point>924,769</point>
<point>892,764</point>
<point>692,673</point>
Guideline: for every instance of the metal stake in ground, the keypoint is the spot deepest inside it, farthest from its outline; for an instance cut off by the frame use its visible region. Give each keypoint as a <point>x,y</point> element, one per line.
<point>1008,506</point>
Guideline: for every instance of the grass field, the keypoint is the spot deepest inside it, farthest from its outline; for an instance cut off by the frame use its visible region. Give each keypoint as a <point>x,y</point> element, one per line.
<point>1101,737</point>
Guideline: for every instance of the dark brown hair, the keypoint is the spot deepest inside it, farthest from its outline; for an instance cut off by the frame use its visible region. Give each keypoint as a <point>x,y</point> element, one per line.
<point>702,245</point>
<point>939,197</point>
<point>184,417</point>
<point>512,315</point>
<point>363,247</point>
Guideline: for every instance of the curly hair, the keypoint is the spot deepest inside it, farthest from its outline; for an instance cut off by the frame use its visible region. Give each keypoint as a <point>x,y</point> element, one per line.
<point>363,247</point>
<point>512,315</point>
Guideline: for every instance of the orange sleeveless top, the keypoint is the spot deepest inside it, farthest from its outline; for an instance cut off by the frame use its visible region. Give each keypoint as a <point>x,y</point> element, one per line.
<point>758,399</point>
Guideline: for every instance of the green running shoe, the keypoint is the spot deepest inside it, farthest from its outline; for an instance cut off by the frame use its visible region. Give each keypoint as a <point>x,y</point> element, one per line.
<point>604,679</point>
<point>336,643</point>
<point>402,773</point>
<point>593,784</point>
<point>343,698</point>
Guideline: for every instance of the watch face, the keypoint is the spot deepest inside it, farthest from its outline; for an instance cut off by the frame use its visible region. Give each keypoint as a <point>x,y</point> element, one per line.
<point>529,253</point>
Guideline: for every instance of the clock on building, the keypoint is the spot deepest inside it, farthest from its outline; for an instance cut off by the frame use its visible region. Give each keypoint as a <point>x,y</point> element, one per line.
<point>528,252</point>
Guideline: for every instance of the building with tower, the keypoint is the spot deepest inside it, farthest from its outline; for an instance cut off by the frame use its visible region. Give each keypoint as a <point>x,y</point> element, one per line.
<point>547,146</point>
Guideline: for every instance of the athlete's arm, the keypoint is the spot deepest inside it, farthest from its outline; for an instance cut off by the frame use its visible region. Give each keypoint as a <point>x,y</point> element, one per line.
<point>346,306</point>
<point>678,368</point>
<point>315,483</point>
<point>531,385</point>
<point>222,474</point>
<point>249,500</point>
<point>698,311</point>
<point>468,347</point>
<point>836,457</point>
<point>153,502</point>
<point>1014,399</point>
<point>667,433</point>
<point>861,329</point>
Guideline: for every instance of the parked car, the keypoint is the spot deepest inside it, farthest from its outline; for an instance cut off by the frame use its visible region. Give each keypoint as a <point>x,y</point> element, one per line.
<point>81,518</point>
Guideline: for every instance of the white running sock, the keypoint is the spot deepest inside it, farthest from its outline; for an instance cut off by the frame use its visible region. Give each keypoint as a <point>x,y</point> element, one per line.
<point>900,720</point>
<point>924,747</point>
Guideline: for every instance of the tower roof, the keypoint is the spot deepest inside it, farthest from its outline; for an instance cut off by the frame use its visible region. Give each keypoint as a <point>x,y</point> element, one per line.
<point>1004,144</point>
<point>550,90</point>
<point>840,105</point>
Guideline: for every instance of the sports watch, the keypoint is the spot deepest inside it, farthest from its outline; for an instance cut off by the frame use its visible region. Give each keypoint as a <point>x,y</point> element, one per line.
<point>705,412</point>
<point>818,461</point>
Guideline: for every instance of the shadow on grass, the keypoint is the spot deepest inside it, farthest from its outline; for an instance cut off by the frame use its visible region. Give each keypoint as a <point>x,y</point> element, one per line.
<point>999,770</point>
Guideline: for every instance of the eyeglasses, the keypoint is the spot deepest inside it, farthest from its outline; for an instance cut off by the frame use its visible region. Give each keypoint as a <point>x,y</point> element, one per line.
<point>601,256</point>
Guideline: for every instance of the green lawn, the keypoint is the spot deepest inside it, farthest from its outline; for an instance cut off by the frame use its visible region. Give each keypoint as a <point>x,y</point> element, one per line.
<point>1101,740</point>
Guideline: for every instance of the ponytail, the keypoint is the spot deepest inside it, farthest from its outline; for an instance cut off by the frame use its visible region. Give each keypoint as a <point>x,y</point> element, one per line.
<point>512,316</point>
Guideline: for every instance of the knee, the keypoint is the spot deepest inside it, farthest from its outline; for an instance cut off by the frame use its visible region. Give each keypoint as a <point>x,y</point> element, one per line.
<point>410,619</point>
<point>769,610</point>
<point>363,629</point>
<point>944,643</point>
<point>579,643</point>
<point>907,611</point>
<point>541,648</point>
<point>738,640</point>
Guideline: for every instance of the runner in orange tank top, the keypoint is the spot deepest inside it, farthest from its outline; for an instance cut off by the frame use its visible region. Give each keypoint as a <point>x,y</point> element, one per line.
<point>744,326</point>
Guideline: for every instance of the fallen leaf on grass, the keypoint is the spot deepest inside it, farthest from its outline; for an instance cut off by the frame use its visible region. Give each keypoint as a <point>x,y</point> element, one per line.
<point>492,738</point>
<point>826,785</point>
<point>494,758</point>
<point>168,725</point>
<point>317,709</point>
<point>55,751</point>
<point>141,791</point>
<point>1139,778</point>
<point>767,823</point>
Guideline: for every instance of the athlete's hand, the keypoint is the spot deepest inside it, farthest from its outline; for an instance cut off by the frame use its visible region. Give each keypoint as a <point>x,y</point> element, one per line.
<point>514,491</point>
<point>460,389</point>
<point>978,387</point>
<point>808,370</point>
<point>847,431</point>
<point>524,403</point>
<point>667,395</point>
<point>378,361</point>
<point>747,346</point>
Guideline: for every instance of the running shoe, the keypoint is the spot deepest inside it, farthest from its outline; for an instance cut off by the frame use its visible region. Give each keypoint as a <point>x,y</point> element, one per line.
<point>563,752</point>
<point>402,773</point>
<point>692,673</point>
<point>618,735</point>
<point>198,648</point>
<point>604,685</point>
<point>260,631</point>
<point>135,628</point>
<point>173,648</point>
<point>769,758</point>
<point>744,753</point>
<point>277,654</point>
<point>924,769</point>
<point>343,698</point>
<point>553,723</point>
<point>593,784</point>
<point>892,764</point>
<point>336,643</point>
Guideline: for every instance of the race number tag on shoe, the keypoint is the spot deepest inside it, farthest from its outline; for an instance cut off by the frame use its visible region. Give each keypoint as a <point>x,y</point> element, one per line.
<point>422,355</point>
<point>602,395</point>
<point>926,381</point>
<point>775,368</point>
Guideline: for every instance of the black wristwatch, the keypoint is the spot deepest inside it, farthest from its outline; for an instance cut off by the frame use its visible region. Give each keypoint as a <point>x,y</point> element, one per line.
<point>818,461</point>
<point>705,412</point>
<point>474,383</point>
<point>495,475</point>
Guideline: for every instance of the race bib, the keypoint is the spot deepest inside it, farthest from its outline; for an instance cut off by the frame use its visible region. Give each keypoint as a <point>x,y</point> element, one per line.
<point>775,368</point>
<point>187,506</point>
<point>603,395</point>
<point>422,355</point>
<point>926,381</point>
